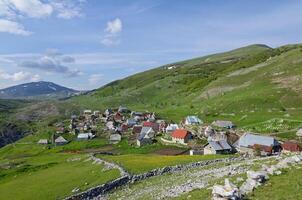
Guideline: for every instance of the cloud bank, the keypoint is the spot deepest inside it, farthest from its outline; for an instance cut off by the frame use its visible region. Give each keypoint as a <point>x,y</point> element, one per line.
<point>19,76</point>
<point>53,62</point>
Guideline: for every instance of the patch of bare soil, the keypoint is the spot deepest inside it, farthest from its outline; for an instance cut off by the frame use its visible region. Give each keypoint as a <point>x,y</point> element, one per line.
<point>213,92</point>
<point>290,82</point>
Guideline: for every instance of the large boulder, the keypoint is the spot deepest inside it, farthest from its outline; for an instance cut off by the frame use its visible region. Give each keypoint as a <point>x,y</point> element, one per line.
<point>228,191</point>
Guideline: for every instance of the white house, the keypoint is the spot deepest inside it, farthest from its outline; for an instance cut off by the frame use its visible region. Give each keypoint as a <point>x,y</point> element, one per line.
<point>181,136</point>
<point>115,138</point>
<point>85,136</point>
<point>43,141</point>
<point>217,147</point>
<point>87,112</point>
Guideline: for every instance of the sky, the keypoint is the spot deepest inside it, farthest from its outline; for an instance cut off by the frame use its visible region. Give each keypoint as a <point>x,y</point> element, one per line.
<point>84,44</point>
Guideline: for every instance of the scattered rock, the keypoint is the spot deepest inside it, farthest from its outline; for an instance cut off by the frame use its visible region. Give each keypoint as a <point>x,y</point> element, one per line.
<point>75,190</point>
<point>226,191</point>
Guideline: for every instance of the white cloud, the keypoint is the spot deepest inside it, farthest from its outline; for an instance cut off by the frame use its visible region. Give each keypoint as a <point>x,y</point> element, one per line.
<point>110,41</point>
<point>113,30</point>
<point>68,9</point>
<point>19,76</point>
<point>32,8</point>
<point>95,79</point>
<point>12,11</point>
<point>13,28</point>
<point>114,27</point>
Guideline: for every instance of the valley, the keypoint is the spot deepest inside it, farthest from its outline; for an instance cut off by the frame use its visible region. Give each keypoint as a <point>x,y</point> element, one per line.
<point>255,87</point>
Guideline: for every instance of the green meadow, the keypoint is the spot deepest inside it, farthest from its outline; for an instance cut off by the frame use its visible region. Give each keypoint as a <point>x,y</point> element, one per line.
<point>139,163</point>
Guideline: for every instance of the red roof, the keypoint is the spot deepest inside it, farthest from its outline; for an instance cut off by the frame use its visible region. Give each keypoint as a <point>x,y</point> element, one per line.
<point>148,124</point>
<point>180,133</point>
<point>291,146</point>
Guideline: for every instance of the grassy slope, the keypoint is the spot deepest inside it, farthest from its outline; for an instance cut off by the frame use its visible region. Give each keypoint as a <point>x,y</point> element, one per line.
<point>51,177</point>
<point>139,163</point>
<point>285,186</point>
<point>31,171</point>
<point>203,86</point>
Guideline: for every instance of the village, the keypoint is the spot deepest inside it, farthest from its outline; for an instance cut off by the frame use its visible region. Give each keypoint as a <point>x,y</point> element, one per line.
<point>145,128</point>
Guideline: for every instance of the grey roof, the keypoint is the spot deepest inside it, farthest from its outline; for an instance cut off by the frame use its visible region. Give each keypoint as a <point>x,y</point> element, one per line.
<point>131,121</point>
<point>115,137</point>
<point>84,135</point>
<point>222,123</point>
<point>60,139</point>
<point>43,141</point>
<point>249,139</point>
<point>220,145</point>
<point>193,120</point>
<point>145,131</point>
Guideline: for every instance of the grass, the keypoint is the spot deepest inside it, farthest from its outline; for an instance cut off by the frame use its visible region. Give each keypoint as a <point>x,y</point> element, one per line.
<point>52,177</point>
<point>137,164</point>
<point>285,186</point>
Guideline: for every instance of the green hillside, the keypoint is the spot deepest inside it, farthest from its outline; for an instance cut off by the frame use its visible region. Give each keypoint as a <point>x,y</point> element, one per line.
<point>249,85</point>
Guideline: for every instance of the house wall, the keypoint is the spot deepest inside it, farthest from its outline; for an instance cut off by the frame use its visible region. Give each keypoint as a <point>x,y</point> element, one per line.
<point>209,151</point>
<point>178,140</point>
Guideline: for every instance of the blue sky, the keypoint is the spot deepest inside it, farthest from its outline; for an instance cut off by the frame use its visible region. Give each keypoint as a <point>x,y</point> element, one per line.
<point>84,44</point>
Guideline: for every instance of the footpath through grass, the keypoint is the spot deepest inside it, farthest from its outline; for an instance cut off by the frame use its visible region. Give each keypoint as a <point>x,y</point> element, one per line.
<point>138,163</point>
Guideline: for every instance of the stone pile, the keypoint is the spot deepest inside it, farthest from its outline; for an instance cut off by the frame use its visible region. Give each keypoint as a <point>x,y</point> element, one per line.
<point>228,191</point>
<point>254,179</point>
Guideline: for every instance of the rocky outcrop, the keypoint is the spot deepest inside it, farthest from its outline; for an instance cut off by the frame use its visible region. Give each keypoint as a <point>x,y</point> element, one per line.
<point>177,168</point>
<point>226,191</point>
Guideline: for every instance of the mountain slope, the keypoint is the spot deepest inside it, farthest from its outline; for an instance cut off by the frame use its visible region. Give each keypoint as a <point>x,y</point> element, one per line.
<point>249,85</point>
<point>36,89</point>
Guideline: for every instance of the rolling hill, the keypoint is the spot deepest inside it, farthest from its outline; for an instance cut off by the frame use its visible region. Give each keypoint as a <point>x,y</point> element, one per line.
<point>40,89</point>
<point>248,85</point>
<point>257,87</point>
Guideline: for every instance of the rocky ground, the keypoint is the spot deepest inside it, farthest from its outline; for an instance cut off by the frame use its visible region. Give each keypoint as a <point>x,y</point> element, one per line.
<point>174,185</point>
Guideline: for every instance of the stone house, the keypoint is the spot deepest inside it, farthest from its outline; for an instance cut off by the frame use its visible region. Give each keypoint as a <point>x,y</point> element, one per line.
<point>217,147</point>
<point>181,136</point>
<point>145,137</point>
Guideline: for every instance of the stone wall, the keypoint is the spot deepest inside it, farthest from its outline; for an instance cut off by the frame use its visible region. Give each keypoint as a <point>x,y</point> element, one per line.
<point>107,187</point>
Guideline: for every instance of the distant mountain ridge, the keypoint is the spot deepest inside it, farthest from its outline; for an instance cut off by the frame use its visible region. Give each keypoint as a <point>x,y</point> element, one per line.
<point>41,89</point>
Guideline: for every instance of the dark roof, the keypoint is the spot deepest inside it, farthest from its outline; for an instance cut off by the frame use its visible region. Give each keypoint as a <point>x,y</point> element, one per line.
<point>137,129</point>
<point>220,145</point>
